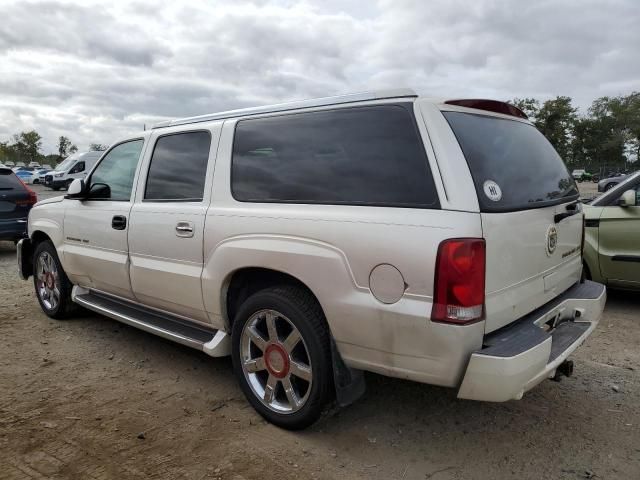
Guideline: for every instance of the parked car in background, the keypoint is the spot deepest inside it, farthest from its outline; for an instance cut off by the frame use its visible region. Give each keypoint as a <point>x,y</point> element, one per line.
<point>237,234</point>
<point>46,166</point>
<point>16,199</point>
<point>20,164</point>
<point>581,175</point>
<point>34,164</point>
<point>74,166</point>
<point>39,175</point>
<point>612,240</point>
<point>25,175</point>
<point>9,164</point>
<point>2,165</point>
<point>611,181</point>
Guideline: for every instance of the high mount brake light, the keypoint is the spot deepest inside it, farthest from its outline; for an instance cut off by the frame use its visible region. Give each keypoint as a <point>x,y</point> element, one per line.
<point>459,281</point>
<point>490,106</point>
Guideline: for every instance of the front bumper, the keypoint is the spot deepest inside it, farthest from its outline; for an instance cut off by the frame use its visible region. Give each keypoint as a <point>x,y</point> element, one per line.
<point>517,357</point>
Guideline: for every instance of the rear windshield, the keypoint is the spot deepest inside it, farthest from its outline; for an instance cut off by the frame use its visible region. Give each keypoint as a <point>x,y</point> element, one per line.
<point>8,180</point>
<point>513,165</point>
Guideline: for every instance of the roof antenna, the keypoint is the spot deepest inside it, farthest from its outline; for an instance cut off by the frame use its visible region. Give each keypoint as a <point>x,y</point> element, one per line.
<point>144,127</point>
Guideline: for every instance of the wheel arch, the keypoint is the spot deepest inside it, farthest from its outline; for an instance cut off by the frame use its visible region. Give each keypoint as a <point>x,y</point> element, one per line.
<point>243,282</point>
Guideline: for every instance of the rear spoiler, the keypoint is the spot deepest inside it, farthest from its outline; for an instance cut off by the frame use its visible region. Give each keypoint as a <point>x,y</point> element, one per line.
<point>494,106</point>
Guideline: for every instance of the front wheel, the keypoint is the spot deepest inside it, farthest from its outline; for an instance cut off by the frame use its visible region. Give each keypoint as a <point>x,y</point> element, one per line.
<point>609,186</point>
<point>282,355</point>
<point>53,288</point>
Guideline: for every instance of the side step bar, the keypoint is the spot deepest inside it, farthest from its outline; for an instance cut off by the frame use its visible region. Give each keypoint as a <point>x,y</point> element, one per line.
<point>215,343</point>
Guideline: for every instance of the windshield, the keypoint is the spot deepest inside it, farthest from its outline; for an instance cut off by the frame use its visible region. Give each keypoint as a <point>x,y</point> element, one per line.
<point>514,167</point>
<point>66,163</point>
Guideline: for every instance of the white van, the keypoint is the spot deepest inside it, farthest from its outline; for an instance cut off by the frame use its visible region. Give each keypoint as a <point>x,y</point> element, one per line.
<point>430,240</point>
<point>72,167</point>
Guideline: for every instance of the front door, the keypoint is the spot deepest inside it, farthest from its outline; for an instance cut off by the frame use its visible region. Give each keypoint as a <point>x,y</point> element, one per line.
<point>95,251</point>
<point>167,222</point>
<point>619,242</point>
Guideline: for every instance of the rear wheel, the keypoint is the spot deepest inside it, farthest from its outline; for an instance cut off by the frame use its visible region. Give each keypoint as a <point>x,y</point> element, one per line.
<point>53,288</point>
<point>282,356</point>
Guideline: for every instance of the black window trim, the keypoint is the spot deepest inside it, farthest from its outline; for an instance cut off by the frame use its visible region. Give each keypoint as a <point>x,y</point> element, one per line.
<point>104,155</point>
<point>176,200</point>
<point>408,106</point>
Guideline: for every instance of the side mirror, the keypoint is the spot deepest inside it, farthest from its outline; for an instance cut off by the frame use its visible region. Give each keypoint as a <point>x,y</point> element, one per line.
<point>628,199</point>
<point>75,189</point>
<point>99,190</point>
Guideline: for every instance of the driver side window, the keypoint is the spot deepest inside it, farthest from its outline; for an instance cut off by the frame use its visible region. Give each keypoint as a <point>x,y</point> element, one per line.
<point>117,169</point>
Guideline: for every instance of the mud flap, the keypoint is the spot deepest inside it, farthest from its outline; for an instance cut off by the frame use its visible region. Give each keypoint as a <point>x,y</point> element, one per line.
<point>349,383</point>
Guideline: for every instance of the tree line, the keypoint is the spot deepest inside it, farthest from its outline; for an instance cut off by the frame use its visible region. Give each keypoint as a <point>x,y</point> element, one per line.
<point>605,139</point>
<point>25,147</point>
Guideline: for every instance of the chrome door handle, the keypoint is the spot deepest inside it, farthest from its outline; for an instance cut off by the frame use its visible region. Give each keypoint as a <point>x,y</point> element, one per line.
<point>184,229</point>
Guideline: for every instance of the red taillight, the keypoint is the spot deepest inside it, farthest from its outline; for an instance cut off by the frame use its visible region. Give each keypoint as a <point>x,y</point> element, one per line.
<point>33,197</point>
<point>459,281</point>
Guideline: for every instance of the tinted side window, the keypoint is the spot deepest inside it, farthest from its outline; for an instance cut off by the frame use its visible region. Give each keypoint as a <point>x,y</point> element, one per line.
<point>354,156</point>
<point>118,168</point>
<point>178,167</point>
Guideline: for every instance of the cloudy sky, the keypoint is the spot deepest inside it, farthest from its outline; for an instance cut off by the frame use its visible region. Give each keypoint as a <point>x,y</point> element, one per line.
<point>95,71</point>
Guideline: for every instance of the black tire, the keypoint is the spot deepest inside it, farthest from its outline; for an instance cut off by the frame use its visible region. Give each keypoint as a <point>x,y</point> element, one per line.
<point>64,306</point>
<point>68,184</point>
<point>609,186</point>
<point>303,311</point>
<point>55,188</point>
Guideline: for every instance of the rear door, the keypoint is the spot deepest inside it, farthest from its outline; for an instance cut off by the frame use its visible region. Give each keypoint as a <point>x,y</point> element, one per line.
<point>531,220</point>
<point>167,222</point>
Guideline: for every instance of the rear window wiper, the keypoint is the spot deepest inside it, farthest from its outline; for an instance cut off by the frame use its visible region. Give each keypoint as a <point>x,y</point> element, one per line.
<point>572,209</point>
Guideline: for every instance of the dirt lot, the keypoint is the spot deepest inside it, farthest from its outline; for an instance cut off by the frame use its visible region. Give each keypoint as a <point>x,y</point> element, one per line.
<point>89,398</point>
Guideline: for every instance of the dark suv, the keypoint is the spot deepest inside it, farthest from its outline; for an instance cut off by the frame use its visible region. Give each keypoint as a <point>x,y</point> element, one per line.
<point>16,199</point>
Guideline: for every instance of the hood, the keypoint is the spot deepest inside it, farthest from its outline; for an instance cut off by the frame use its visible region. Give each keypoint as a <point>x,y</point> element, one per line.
<point>50,200</point>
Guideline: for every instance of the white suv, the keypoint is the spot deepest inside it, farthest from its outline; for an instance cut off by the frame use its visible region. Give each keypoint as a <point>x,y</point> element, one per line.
<point>437,241</point>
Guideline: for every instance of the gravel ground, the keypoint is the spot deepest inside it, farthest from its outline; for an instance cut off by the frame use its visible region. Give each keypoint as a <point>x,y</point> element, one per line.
<point>89,398</point>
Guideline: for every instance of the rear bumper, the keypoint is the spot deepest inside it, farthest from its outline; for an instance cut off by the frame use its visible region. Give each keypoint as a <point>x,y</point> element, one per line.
<point>517,357</point>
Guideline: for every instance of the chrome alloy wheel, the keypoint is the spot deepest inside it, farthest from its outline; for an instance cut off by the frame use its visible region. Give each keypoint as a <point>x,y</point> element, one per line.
<point>48,281</point>
<point>276,362</point>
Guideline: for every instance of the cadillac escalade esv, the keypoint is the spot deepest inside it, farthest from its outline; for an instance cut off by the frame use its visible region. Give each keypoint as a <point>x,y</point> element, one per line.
<point>431,240</point>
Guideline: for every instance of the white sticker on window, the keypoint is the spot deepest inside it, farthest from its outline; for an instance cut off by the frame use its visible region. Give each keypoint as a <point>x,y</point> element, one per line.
<point>492,190</point>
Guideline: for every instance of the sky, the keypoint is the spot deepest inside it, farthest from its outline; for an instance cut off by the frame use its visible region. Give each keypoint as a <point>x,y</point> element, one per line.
<point>97,71</point>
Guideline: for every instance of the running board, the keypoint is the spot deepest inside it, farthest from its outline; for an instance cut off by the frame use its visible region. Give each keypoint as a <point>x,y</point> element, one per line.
<point>215,343</point>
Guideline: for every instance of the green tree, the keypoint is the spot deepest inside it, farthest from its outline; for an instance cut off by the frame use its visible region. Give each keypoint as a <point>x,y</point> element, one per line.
<point>64,144</point>
<point>98,147</point>
<point>73,149</point>
<point>556,119</point>
<point>27,145</point>
<point>530,106</point>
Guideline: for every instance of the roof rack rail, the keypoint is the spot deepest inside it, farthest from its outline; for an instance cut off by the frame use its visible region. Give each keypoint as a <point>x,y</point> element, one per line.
<point>315,102</point>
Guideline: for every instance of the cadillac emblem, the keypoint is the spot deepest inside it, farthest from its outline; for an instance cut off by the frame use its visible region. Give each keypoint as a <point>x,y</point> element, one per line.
<point>552,240</point>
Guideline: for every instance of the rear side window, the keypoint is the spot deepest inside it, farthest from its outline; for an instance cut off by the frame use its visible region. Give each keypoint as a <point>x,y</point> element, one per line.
<point>514,167</point>
<point>178,167</point>
<point>8,180</point>
<point>353,156</point>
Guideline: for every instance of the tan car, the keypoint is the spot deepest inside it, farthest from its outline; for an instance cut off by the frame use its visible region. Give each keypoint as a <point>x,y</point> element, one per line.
<point>612,240</point>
